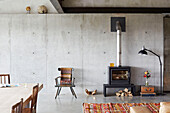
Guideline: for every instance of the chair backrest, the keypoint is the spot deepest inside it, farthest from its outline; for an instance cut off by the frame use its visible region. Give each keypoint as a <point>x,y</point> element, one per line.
<point>4,79</point>
<point>34,98</point>
<point>18,107</point>
<point>66,75</point>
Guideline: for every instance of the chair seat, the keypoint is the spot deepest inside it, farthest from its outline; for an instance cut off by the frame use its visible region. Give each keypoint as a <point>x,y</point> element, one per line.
<point>27,110</point>
<point>164,107</point>
<point>64,85</point>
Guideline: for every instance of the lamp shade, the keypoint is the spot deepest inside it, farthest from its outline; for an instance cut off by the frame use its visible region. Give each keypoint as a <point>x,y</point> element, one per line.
<point>142,52</point>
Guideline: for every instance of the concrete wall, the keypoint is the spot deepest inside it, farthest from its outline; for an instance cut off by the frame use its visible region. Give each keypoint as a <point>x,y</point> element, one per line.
<point>32,49</point>
<point>116,3</point>
<point>166,54</point>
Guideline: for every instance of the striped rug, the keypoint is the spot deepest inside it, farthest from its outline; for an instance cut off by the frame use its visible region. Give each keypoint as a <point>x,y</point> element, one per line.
<point>117,107</point>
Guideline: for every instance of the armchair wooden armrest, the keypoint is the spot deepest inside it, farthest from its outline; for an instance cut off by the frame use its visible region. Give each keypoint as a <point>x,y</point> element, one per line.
<point>56,79</point>
<point>73,79</point>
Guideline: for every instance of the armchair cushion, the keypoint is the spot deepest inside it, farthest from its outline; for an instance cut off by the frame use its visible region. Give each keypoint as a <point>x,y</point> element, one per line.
<point>164,107</point>
<point>139,109</point>
<point>65,82</point>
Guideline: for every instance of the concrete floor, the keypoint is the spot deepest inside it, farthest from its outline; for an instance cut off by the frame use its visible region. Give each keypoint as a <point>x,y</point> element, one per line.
<point>66,103</point>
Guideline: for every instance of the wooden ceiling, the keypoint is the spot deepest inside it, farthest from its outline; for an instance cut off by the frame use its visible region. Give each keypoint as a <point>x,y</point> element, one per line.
<point>62,9</point>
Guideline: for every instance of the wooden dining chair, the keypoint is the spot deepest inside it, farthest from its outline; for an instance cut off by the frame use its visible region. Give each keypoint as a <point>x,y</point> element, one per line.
<point>4,79</point>
<point>66,80</point>
<point>33,101</point>
<point>17,108</point>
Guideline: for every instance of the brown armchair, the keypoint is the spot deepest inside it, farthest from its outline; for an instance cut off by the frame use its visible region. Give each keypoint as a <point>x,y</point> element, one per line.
<point>65,80</point>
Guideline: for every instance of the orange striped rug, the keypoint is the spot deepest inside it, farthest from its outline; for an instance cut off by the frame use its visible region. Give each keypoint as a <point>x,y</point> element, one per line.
<point>117,107</point>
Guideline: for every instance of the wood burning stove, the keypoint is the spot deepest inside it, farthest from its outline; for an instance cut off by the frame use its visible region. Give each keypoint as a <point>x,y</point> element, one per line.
<point>119,75</point>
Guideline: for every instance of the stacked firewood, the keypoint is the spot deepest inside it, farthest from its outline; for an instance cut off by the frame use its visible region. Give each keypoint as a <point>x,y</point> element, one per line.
<point>124,92</point>
<point>91,92</point>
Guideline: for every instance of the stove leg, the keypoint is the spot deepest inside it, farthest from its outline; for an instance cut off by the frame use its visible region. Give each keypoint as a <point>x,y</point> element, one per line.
<point>104,91</point>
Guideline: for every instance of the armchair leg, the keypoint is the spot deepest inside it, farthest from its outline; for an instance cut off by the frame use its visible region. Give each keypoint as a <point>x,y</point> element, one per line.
<point>57,92</point>
<point>73,92</point>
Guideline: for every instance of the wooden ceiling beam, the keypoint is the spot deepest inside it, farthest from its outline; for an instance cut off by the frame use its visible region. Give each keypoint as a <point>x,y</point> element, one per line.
<point>116,10</point>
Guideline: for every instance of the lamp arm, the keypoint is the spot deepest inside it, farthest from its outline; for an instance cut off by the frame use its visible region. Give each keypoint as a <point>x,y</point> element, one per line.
<point>161,77</point>
<point>155,55</point>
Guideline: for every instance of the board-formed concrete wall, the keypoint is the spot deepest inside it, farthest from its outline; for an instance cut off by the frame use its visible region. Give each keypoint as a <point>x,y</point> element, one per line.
<point>34,46</point>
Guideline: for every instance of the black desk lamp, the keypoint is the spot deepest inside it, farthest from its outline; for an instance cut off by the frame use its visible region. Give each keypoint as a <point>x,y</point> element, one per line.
<point>144,52</point>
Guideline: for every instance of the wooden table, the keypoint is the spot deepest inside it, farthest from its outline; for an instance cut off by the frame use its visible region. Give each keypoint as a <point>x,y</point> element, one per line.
<point>11,95</point>
<point>147,91</point>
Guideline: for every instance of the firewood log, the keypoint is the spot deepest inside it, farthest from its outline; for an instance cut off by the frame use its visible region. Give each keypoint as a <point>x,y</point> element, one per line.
<point>87,91</point>
<point>118,94</point>
<point>120,91</point>
<point>126,89</point>
<point>130,95</point>
<point>94,92</point>
<point>123,94</point>
<point>90,92</point>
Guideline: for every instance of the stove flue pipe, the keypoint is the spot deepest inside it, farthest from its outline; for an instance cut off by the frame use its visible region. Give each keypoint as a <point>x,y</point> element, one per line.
<point>119,31</point>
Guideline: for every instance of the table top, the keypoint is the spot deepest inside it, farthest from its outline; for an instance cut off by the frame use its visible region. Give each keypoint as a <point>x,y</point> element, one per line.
<point>11,95</point>
<point>147,86</point>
